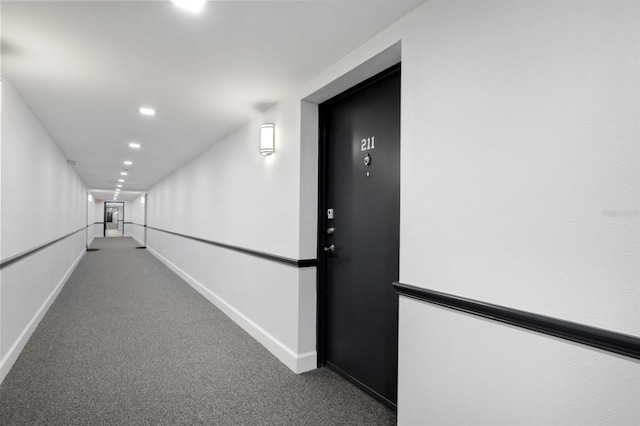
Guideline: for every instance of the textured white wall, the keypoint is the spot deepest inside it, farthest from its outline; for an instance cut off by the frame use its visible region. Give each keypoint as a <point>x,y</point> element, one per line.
<point>520,131</point>
<point>43,199</point>
<point>457,369</point>
<point>519,134</point>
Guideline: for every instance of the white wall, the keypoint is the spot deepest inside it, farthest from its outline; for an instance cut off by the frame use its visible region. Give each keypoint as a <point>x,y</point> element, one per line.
<point>519,145</point>
<point>89,221</point>
<point>519,130</point>
<point>520,119</point>
<point>457,369</point>
<point>43,199</point>
<point>96,214</point>
<point>137,216</point>
<point>1,256</point>
<point>234,195</point>
<point>126,217</point>
<point>136,212</point>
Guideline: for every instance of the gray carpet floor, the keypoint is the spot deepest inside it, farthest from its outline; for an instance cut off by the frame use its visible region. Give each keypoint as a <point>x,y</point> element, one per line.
<point>128,342</point>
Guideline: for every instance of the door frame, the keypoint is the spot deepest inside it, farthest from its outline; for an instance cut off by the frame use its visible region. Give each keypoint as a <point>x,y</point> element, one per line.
<point>321,334</point>
<point>104,220</point>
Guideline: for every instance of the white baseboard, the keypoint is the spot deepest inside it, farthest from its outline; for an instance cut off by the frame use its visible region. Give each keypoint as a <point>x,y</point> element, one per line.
<point>298,363</point>
<point>12,355</point>
<point>137,240</point>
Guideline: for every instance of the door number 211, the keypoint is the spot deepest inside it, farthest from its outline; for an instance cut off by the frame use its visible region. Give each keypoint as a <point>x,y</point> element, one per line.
<point>368,143</point>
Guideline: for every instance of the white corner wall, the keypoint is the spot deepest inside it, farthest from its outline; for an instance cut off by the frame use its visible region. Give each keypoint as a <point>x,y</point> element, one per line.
<point>33,173</point>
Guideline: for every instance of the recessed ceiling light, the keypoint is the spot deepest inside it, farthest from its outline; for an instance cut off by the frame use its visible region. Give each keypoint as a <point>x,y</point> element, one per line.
<point>193,6</point>
<point>147,111</point>
<point>124,173</point>
<point>134,145</point>
<point>119,185</point>
<point>120,180</point>
<point>128,163</point>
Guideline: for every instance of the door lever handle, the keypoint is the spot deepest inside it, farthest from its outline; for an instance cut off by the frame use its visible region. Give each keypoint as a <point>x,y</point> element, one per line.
<point>331,249</point>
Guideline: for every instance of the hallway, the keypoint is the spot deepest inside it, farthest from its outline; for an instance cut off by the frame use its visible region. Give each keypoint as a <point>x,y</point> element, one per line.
<point>129,342</point>
<point>516,290</point>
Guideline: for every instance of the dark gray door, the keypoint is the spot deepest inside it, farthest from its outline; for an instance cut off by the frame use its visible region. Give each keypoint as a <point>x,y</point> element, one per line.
<point>359,233</point>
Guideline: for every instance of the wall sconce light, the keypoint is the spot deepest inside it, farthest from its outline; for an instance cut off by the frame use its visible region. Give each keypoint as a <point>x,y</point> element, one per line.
<point>142,199</point>
<point>267,139</point>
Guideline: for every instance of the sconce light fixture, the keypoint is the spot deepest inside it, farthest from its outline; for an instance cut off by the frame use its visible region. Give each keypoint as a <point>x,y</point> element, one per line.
<point>267,139</point>
<point>142,199</point>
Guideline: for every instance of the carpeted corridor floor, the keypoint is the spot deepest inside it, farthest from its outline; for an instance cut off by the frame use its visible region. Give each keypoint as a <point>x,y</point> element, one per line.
<point>128,342</point>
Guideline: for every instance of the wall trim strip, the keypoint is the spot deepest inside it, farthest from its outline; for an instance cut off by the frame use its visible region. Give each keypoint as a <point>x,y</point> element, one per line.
<point>18,257</point>
<point>607,340</point>
<point>139,224</point>
<point>300,263</point>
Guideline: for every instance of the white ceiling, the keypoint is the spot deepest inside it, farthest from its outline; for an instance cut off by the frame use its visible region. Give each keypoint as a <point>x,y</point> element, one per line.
<point>85,68</point>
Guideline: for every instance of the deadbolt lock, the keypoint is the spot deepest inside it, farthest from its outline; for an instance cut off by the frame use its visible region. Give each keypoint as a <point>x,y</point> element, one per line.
<point>331,249</point>
<point>331,230</point>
